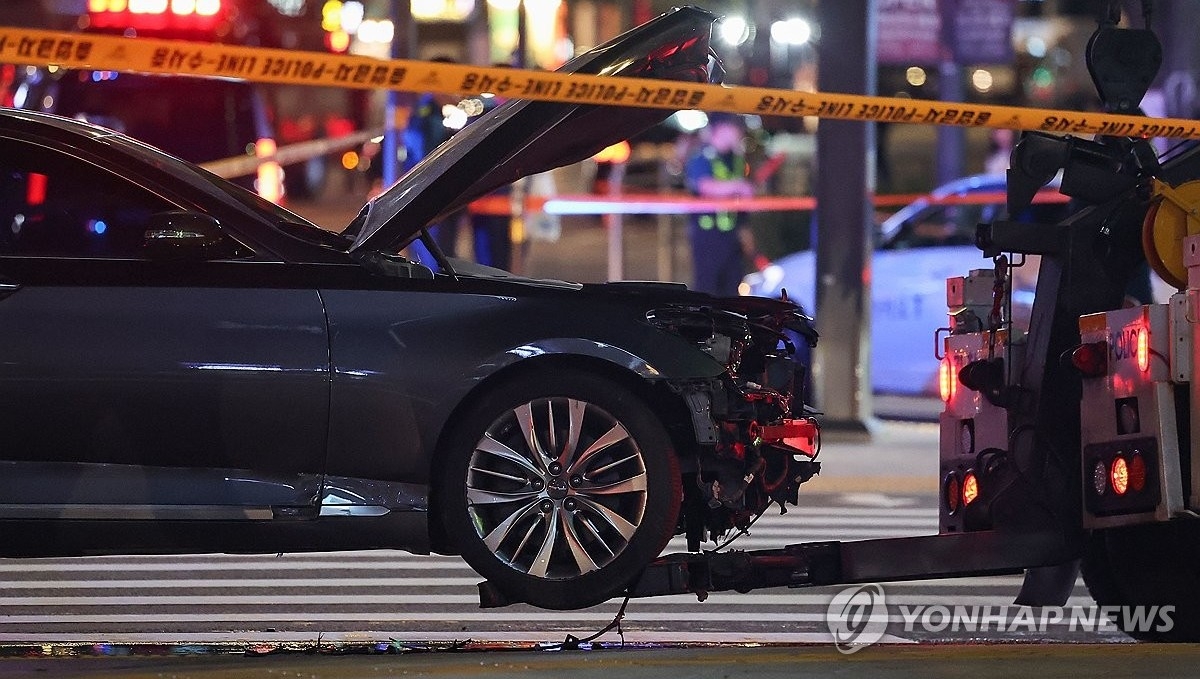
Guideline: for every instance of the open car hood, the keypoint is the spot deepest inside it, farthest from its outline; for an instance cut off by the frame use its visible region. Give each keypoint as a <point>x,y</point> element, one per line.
<point>520,137</point>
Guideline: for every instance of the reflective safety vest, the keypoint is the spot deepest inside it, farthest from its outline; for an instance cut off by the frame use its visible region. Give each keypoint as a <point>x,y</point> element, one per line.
<point>723,221</point>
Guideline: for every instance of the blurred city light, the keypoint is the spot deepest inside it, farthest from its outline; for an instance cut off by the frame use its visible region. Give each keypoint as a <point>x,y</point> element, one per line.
<point>453,117</point>
<point>337,41</point>
<point>376,32</point>
<point>442,10</point>
<point>148,6</point>
<point>982,80</point>
<point>916,76</point>
<point>617,153</point>
<point>1036,47</point>
<point>795,31</point>
<point>504,5</point>
<point>734,30</point>
<point>331,15</point>
<point>352,15</point>
<point>690,120</point>
<point>292,8</point>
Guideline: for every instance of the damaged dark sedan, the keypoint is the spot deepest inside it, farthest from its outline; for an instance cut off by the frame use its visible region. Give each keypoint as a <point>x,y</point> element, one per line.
<point>186,368</point>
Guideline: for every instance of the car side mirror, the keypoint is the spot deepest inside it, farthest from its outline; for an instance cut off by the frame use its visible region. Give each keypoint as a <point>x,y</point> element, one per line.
<point>182,235</point>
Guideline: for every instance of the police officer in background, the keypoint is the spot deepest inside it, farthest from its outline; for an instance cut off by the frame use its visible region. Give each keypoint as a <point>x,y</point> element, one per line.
<point>721,242</point>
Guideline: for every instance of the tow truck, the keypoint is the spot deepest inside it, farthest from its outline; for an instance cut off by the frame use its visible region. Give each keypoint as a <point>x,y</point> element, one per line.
<point>1065,446</point>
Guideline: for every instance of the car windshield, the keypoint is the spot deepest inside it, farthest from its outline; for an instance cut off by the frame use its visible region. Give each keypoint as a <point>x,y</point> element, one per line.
<point>285,220</point>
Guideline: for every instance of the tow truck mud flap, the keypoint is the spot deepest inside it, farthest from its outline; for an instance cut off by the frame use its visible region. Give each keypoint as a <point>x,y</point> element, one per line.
<point>833,563</point>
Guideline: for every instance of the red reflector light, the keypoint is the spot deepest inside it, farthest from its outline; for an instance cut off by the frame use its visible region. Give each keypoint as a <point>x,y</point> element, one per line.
<point>1143,350</point>
<point>970,488</point>
<point>35,189</point>
<point>1119,476</point>
<point>1137,472</point>
<point>1091,359</point>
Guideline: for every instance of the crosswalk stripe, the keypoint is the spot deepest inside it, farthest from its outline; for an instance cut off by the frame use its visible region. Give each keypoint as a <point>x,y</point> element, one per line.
<point>268,582</point>
<point>790,599</point>
<point>553,617</point>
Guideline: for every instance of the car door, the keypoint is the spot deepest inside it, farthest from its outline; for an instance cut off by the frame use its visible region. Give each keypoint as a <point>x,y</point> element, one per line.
<point>137,383</point>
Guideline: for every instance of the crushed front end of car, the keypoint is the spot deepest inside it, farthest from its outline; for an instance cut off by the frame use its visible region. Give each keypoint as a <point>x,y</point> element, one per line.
<point>755,439</point>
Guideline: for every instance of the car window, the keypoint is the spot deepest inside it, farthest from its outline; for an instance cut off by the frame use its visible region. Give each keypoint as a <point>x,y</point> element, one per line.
<point>940,225</point>
<point>52,204</point>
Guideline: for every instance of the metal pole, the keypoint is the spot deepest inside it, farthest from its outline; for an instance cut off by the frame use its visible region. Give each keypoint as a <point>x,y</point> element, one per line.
<point>521,58</point>
<point>615,226</point>
<point>403,42</point>
<point>665,261</point>
<point>951,139</point>
<point>845,185</point>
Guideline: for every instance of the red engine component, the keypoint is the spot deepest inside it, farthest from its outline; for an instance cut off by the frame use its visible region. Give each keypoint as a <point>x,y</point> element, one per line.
<point>798,434</point>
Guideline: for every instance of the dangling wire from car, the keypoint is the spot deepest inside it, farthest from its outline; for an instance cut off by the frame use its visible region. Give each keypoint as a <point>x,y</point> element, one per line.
<point>573,643</point>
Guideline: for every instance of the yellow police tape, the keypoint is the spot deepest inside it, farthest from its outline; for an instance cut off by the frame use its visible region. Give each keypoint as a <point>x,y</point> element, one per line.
<point>268,65</point>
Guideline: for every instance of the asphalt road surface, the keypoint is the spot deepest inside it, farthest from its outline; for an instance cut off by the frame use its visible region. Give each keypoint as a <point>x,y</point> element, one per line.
<point>394,596</point>
<point>879,662</point>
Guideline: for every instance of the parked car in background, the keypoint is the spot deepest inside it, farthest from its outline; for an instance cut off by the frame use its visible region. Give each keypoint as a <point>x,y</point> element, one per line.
<point>917,249</point>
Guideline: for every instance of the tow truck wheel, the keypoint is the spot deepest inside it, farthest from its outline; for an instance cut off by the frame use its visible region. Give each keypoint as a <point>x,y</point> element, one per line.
<point>1148,565</point>
<point>560,488</point>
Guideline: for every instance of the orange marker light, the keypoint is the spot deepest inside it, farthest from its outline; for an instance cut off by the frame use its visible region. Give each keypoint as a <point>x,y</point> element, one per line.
<point>946,380</point>
<point>953,493</point>
<point>1119,476</point>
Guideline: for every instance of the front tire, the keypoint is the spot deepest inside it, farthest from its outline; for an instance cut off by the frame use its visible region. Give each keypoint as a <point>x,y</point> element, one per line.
<point>560,488</point>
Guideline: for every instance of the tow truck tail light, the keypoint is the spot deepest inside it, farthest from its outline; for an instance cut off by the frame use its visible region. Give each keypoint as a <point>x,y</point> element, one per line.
<point>1120,476</point>
<point>970,488</point>
<point>1127,474</point>
<point>1091,359</point>
<point>1143,350</point>
<point>1125,477</point>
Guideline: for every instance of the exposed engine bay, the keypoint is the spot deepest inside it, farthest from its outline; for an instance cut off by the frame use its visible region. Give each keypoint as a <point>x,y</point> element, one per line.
<point>756,438</point>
